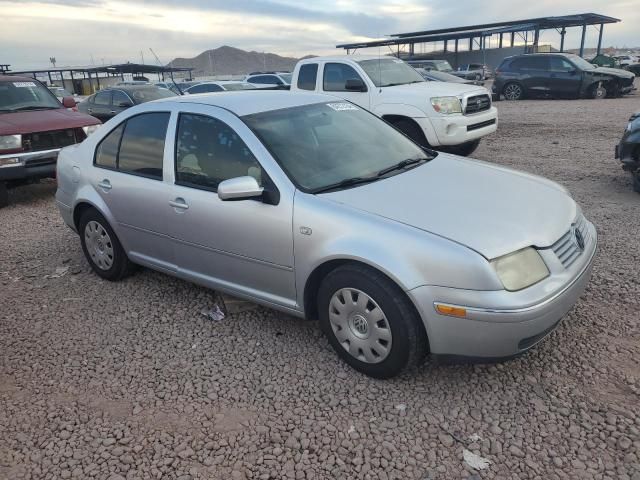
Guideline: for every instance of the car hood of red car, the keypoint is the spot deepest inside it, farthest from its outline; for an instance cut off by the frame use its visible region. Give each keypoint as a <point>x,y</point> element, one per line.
<point>43,120</point>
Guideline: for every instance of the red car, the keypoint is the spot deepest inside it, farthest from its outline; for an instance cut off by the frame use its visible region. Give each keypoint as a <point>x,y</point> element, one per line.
<point>34,126</point>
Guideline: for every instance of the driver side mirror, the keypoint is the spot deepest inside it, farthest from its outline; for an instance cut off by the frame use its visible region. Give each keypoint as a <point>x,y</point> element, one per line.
<point>355,85</point>
<point>68,102</point>
<point>239,188</point>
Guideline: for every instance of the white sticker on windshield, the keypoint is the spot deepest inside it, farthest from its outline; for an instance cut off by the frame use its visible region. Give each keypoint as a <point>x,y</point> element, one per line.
<point>24,84</point>
<point>339,107</point>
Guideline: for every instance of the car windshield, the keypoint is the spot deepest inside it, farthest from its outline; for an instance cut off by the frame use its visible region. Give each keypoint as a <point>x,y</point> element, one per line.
<point>580,62</point>
<point>327,143</point>
<point>238,86</point>
<point>286,78</point>
<point>388,72</point>
<point>441,65</point>
<point>26,95</point>
<point>141,95</point>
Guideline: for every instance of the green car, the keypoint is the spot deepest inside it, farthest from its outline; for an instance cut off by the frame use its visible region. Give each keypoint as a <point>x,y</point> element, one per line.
<point>605,61</point>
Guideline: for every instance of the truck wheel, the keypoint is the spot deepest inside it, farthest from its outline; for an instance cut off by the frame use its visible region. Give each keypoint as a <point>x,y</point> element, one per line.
<point>513,91</point>
<point>413,131</point>
<point>464,149</point>
<point>370,322</point>
<point>597,91</point>
<point>4,195</point>
<point>636,181</point>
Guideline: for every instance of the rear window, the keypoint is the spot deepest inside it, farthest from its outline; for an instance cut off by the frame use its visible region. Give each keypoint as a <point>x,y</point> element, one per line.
<point>142,145</point>
<point>307,76</point>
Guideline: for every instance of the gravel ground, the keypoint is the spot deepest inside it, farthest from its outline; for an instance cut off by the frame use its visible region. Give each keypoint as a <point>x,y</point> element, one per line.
<point>129,380</point>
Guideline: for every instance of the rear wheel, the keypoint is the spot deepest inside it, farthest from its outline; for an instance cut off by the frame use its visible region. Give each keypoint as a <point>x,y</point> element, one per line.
<point>513,91</point>
<point>370,322</point>
<point>4,195</point>
<point>636,181</point>
<point>102,248</point>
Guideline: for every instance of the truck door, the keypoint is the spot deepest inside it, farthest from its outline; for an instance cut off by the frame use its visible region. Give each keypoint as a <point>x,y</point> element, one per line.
<point>334,82</point>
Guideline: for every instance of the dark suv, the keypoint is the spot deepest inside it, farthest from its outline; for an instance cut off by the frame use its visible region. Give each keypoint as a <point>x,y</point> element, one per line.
<point>558,75</point>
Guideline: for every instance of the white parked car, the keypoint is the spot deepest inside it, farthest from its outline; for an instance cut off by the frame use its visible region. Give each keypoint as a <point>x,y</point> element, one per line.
<point>269,79</point>
<point>445,116</point>
<point>218,86</point>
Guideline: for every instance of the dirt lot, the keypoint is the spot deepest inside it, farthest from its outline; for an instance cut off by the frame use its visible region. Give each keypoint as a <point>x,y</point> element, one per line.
<point>129,380</point>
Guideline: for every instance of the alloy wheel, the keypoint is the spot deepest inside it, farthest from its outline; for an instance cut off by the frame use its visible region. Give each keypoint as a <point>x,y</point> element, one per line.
<point>513,92</point>
<point>360,325</point>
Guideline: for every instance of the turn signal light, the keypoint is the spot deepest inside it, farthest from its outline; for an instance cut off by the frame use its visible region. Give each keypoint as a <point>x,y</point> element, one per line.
<point>451,310</point>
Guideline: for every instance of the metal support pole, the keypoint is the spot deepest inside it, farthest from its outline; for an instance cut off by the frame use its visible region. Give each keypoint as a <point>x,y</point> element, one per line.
<point>412,49</point>
<point>98,79</point>
<point>584,32</point>
<point>347,51</point>
<point>513,39</point>
<point>90,83</point>
<point>500,40</point>
<point>456,46</point>
<point>73,84</point>
<point>471,44</point>
<point>50,81</point>
<point>536,38</point>
<point>600,38</point>
<point>446,45</point>
<point>563,32</point>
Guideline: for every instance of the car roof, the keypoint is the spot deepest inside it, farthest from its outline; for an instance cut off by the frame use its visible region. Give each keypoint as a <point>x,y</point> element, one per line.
<point>129,88</point>
<point>15,78</point>
<point>252,101</point>
<point>354,58</point>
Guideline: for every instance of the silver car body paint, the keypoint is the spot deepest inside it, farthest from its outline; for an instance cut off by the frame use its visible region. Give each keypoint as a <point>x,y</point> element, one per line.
<point>432,230</point>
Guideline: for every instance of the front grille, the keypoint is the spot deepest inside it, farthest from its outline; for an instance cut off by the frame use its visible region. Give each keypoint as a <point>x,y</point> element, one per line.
<point>476,126</point>
<point>477,103</point>
<point>35,142</point>
<point>566,248</point>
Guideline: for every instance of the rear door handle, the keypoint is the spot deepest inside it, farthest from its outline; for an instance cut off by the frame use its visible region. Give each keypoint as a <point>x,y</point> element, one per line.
<point>179,203</point>
<point>105,184</point>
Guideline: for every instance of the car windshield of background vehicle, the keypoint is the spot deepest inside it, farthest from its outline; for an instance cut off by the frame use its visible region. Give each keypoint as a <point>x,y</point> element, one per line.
<point>148,94</point>
<point>18,95</point>
<point>322,144</point>
<point>387,72</point>
<point>581,63</point>
<point>286,77</point>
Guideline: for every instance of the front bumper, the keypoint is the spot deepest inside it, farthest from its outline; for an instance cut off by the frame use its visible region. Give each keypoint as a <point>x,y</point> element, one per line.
<point>26,165</point>
<point>459,129</point>
<point>501,324</point>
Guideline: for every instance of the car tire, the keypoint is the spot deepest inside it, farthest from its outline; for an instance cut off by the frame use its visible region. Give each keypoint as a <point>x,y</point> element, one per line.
<point>597,92</point>
<point>513,91</point>
<point>4,195</point>
<point>370,322</point>
<point>102,248</point>
<point>413,131</point>
<point>464,149</point>
<point>478,77</point>
<point>636,182</point>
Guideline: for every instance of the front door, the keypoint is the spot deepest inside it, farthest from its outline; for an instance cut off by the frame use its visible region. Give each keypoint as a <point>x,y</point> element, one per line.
<point>565,78</point>
<point>242,246</point>
<point>129,179</point>
<point>101,106</point>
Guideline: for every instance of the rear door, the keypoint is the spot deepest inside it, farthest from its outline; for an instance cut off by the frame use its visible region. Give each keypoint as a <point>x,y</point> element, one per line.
<point>101,106</point>
<point>334,78</point>
<point>534,73</point>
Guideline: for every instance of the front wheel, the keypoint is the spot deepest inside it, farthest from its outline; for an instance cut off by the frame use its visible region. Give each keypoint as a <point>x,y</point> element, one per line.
<point>513,91</point>
<point>370,322</point>
<point>4,195</point>
<point>597,91</point>
<point>102,248</point>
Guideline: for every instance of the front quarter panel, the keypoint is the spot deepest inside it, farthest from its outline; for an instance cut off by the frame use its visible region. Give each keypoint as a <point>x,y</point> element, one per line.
<point>325,230</point>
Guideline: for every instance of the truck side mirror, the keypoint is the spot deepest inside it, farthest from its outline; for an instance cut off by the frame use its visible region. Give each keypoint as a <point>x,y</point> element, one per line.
<point>355,85</point>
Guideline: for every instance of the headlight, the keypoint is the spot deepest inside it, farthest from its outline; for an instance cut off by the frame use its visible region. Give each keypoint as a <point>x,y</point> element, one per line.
<point>520,269</point>
<point>446,105</point>
<point>10,142</point>
<point>90,129</point>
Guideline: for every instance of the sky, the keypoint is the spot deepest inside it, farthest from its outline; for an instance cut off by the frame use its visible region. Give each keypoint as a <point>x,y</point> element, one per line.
<point>85,32</point>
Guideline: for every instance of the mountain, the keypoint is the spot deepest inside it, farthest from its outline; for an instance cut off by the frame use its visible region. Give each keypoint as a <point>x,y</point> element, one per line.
<point>233,61</point>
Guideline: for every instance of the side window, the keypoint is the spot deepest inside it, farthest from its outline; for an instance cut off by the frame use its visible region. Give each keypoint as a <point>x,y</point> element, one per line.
<point>263,80</point>
<point>560,65</point>
<point>142,145</point>
<point>107,151</point>
<point>102,98</point>
<point>336,75</point>
<point>205,87</point>
<point>120,98</point>
<point>208,151</point>
<point>307,76</point>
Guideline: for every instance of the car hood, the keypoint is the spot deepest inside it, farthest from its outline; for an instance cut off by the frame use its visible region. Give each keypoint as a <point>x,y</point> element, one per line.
<point>43,120</point>
<point>492,210</point>
<point>618,72</point>
<point>437,89</point>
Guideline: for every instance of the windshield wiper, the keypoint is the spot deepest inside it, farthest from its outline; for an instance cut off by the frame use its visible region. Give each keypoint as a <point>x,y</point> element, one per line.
<point>402,165</point>
<point>33,107</point>
<point>347,182</point>
<point>401,83</point>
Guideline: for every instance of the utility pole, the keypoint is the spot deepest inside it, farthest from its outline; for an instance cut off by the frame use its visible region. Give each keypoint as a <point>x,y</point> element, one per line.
<point>142,56</point>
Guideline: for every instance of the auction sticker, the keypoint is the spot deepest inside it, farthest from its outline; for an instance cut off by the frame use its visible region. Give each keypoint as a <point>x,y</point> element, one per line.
<point>24,84</point>
<point>340,107</point>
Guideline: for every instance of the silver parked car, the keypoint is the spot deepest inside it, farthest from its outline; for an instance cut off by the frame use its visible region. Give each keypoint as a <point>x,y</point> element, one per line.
<point>316,207</point>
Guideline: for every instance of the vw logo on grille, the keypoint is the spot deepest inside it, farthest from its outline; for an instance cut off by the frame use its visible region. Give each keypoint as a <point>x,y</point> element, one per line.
<point>579,239</point>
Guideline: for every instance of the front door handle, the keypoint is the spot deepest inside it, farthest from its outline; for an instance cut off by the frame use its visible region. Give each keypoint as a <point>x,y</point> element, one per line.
<point>113,112</point>
<point>179,203</point>
<point>105,184</point>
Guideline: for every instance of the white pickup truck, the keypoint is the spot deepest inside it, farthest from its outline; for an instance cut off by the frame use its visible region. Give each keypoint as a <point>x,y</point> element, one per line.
<point>446,116</point>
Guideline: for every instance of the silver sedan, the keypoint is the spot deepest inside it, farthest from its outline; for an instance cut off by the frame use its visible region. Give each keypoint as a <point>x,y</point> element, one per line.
<point>313,206</point>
